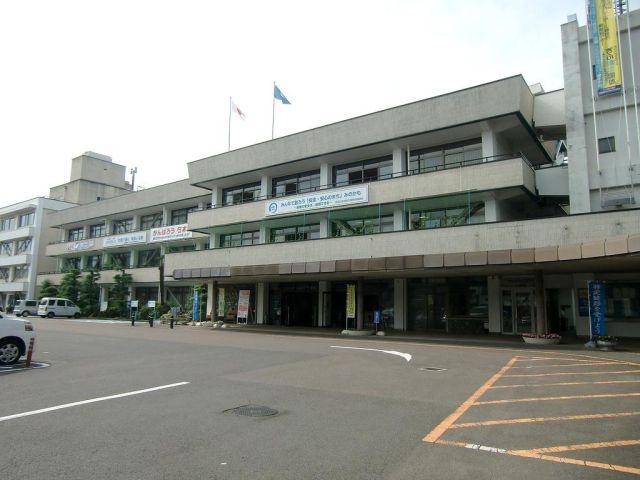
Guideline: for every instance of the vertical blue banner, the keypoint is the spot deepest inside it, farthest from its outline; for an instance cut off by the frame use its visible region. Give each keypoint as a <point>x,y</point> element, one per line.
<point>196,304</point>
<point>596,308</point>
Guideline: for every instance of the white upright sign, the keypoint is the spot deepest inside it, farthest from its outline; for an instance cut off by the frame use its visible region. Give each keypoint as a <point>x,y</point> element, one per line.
<point>317,200</point>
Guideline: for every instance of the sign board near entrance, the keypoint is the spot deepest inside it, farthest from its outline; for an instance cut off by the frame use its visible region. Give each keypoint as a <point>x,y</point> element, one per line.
<point>243,304</point>
<point>317,200</point>
<point>596,308</point>
<point>351,300</point>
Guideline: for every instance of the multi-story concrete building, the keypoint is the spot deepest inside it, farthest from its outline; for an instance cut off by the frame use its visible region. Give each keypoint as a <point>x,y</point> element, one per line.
<point>24,233</point>
<point>454,213</point>
<point>130,233</point>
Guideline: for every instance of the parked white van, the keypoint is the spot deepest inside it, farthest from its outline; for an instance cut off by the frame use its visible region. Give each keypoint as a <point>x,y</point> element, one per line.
<point>58,307</point>
<point>25,308</point>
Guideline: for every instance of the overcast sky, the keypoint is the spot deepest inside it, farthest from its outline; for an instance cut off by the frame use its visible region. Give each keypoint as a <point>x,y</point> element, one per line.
<point>148,82</point>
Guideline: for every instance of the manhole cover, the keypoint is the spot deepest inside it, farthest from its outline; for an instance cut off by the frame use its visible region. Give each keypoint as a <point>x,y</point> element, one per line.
<point>253,411</point>
<point>433,369</point>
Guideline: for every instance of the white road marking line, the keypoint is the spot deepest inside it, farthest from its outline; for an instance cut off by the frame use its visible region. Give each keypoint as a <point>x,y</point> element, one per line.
<point>93,400</point>
<point>473,446</point>
<point>406,356</point>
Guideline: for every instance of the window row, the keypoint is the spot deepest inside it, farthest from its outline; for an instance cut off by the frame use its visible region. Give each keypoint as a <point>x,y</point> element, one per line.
<point>21,247</point>
<point>420,161</point>
<point>20,272</point>
<point>24,220</point>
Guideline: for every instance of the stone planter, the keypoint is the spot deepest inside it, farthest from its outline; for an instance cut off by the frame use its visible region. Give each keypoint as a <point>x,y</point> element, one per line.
<point>606,345</point>
<point>541,341</point>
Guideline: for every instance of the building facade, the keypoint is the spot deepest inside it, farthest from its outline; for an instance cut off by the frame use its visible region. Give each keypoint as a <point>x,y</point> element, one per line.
<point>24,233</point>
<point>484,210</point>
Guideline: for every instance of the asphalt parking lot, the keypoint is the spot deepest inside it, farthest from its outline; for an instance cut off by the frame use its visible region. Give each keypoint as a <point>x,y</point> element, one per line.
<point>122,402</point>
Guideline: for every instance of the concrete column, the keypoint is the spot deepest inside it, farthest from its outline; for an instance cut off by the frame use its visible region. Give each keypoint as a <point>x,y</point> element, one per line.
<point>166,215</point>
<point>495,305</point>
<point>492,211</point>
<point>541,316</point>
<point>399,162</point>
<point>400,304</point>
<point>323,317</point>
<point>216,197</point>
<point>265,186</point>
<point>212,300</point>
<point>325,229</point>
<point>133,259</point>
<point>360,304</point>
<point>489,147</point>
<point>398,219</point>
<point>326,175</point>
<point>136,222</point>
<point>264,233</point>
<point>86,228</point>
<point>108,226</point>
<point>262,302</point>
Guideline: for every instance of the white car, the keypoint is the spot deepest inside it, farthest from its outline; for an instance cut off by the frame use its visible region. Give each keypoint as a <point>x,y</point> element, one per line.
<point>58,307</point>
<point>15,335</point>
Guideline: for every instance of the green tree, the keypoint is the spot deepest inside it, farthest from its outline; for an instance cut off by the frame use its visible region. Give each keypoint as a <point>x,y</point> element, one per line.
<point>47,289</point>
<point>70,285</point>
<point>118,293</point>
<point>89,298</point>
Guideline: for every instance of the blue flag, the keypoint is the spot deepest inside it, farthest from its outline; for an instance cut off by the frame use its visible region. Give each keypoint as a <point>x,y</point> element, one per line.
<point>278,95</point>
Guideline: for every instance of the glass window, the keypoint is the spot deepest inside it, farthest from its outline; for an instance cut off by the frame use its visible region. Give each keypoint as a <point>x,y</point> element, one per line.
<point>7,224</point>
<point>299,232</point>
<point>180,215</point>
<point>239,239</point>
<point>94,262</point>
<point>607,145</point>
<point>97,230</point>
<point>361,226</point>
<point>445,156</point>
<point>75,234</point>
<point>122,226</point>
<point>181,248</point>
<point>120,260</point>
<point>144,294</point>
<point>26,219</point>
<point>148,222</point>
<point>21,272</point>
<point>149,258</point>
<point>4,274</point>
<point>71,263</point>
<point>622,301</point>
<point>446,217</point>
<point>6,248</point>
<point>298,183</point>
<point>364,171</point>
<point>23,246</point>
<point>241,194</point>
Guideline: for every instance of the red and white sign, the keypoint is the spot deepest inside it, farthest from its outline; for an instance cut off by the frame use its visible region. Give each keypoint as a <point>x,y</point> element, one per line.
<point>170,232</point>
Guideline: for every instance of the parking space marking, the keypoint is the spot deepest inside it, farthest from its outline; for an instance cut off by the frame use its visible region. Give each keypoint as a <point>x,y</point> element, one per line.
<point>565,384</point>
<point>543,453</point>
<point>570,365</point>
<point>490,423</point>
<point>93,400</point>
<point>620,372</point>
<point>564,397</point>
<point>437,432</point>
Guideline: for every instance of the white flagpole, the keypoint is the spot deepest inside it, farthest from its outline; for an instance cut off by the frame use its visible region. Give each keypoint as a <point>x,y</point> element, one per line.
<point>273,108</point>
<point>229,143</point>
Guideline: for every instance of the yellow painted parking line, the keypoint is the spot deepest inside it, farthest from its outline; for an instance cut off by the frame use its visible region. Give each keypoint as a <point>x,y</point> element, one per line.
<point>581,446</point>
<point>490,423</point>
<point>538,359</point>
<point>567,397</point>
<point>541,456</point>
<point>571,373</point>
<point>573,461</point>
<point>564,384</point>
<point>437,432</point>
<point>569,365</point>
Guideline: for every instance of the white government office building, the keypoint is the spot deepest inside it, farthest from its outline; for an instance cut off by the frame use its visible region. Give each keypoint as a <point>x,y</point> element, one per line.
<point>486,209</point>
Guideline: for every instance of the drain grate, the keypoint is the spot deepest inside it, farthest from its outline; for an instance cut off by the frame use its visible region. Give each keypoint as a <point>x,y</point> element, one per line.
<point>252,411</point>
<point>432,369</point>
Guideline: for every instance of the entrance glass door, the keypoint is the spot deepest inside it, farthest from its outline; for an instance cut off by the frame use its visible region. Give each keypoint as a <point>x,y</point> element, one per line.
<point>517,310</point>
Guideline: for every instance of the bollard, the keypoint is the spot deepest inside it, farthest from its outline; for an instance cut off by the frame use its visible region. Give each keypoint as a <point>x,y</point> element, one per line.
<point>30,352</point>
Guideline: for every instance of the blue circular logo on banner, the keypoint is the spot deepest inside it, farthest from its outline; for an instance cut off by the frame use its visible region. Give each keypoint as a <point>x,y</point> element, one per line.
<point>273,207</point>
